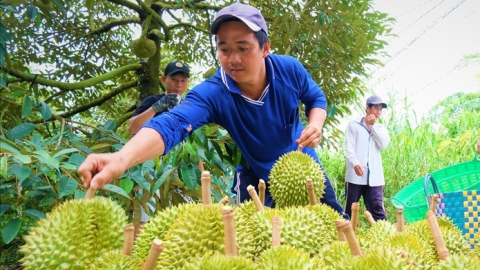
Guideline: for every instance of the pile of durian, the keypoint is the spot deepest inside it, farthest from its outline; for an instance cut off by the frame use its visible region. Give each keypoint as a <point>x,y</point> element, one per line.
<point>301,234</point>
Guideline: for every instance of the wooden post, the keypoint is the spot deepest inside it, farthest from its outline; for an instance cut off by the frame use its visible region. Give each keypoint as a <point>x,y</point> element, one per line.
<point>256,200</point>
<point>224,200</point>
<point>206,192</point>
<point>341,235</point>
<point>437,236</point>
<point>347,229</point>
<point>433,205</point>
<point>354,217</point>
<point>90,193</point>
<point>229,228</point>
<point>276,231</point>
<point>400,220</point>
<point>369,217</point>
<point>261,191</point>
<point>128,238</point>
<point>153,254</point>
<point>311,192</point>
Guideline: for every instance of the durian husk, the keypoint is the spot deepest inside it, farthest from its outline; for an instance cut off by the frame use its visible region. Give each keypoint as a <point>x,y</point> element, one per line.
<point>143,47</point>
<point>114,259</point>
<point>375,234</point>
<point>460,261</point>
<point>244,229</point>
<point>288,178</point>
<point>337,255</point>
<point>382,257</point>
<point>220,262</point>
<point>287,258</point>
<point>74,234</point>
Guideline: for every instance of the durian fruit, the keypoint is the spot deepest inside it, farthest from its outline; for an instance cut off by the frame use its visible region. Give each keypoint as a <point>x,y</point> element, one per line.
<point>337,255</point>
<point>196,232</point>
<point>143,47</point>
<point>301,228</point>
<point>375,234</point>
<point>287,258</point>
<point>413,249</point>
<point>382,257</point>
<point>244,228</point>
<point>157,227</point>
<point>114,259</point>
<point>454,240</point>
<point>74,234</point>
<point>220,262</point>
<point>459,261</point>
<point>288,178</point>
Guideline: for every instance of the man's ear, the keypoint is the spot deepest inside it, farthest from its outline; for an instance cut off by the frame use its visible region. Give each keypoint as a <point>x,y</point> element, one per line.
<point>164,78</point>
<point>266,49</point>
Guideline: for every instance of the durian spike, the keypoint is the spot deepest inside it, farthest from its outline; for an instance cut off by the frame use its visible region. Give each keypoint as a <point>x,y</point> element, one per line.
<point>261,191</point>
<point>347,229</point>
<point>276,231</point>
<point>354,218</point>
<point>153,254</point>
<point>311,192</point>
<point>369,217</point>
<point>341,235</point>
<point>400,220</point>
<point>437,236</point>
<point>90,193</point>
<point>256,200</point>
<point>433,204</point>
<point>225,200</point>
<point>128,238</point>
<point>206,192</point>
<point>229,228</point>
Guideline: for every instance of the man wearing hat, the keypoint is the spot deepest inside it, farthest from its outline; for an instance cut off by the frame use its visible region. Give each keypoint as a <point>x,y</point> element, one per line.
<point>254,95</point>
<point>364,139</point>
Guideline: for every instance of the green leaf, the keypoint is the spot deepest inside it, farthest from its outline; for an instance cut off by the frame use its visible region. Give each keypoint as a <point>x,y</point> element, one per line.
<point>76,159</point>
<point>200,138</point>
<point>32,12</point>
<point>65,151</point>
<point>11,230</point>
<point>35,214</point>
<point>140,180</point>
<point>59,5</point>
<point>21,130</point>
<point>89,4</point>
<point>117,190</point>
<point>21,172</point>
<point>48,160</point>
<point>217,161</point>
<point>22,158</point>
<point>332,111</point>
<point>4,208</point>
<point>66,186</point>
<point>188,175</point>
<point>68,166</point>
<point>126,185</point>
<point>27,106</point>
<point>45,111</point>
<point>110,125</point>
<point>3,166</point>
<point>8,146</point>
<point>147,166</point>
<point>165,176</point>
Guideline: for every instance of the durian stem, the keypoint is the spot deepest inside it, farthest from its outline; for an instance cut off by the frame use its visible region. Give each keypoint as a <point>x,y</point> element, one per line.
<point>229,228</point>
<point>224,200</point>
<point>153,254</point>
<point>128,238</point>
<point>400,220</point>
<point>146,26</point>
<point>341,235</point>
<point>433,204</point>
<point>276,231</point>
<point>90,193</point>
<point>261,191</point>
<point>347,229</point>
<point>254,196</point>
<point>437,236</point>
<point>206,192</point>
<point>354,218</point>
<point>369,217</point>
<point>311,192</point>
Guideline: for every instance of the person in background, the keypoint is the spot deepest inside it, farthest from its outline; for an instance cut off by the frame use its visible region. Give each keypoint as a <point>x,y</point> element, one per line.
<point>254,95</point>
<point>364,139</point>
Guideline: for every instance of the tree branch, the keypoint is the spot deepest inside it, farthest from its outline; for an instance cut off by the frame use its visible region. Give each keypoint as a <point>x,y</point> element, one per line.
<point>178,25</point>
<point>72,86</point>
<point>111,24</point>
<point>128,4</point>
<point>157,18</point>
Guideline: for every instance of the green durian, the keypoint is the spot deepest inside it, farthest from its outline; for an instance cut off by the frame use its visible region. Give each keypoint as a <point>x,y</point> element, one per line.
<point>459,261</point>
<point>337,255</point>
<point>195,233</point>
<point>244,228</point>
<point>220,262</point>
<point>287,258</point>
<point>413,249</point>
<point>382,257</point>
<point>157,227</point>
<point>375,234</point>
<point>143,47</point>
<point>116,260</point>
<point>73,234</point>
<point>288,178</point>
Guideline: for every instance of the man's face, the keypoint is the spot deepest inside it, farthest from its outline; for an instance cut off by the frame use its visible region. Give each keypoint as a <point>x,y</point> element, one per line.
<point>240,54</point>
<point>176,83</point>
<point>376,110</point>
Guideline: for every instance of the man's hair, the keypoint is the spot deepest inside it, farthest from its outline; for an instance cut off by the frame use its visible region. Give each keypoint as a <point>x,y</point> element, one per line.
<point>260,35</point>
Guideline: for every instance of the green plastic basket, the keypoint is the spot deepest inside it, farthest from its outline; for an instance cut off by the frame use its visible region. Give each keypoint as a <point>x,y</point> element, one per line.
<point>460,177</point>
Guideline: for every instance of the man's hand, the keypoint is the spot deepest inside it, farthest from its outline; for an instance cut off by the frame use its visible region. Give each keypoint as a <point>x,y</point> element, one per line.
<point>370,119</point>
<point>311,136</point>
<point>359,170</point>
<point>100,169</point>
<point>167,102</point>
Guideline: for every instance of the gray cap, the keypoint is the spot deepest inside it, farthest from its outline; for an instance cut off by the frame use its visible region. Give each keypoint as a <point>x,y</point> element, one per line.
<point>376,100</point>
<point>246,13</point>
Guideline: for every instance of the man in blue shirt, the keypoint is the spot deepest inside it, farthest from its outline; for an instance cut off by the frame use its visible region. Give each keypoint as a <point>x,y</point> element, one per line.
<point>254,95</point>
